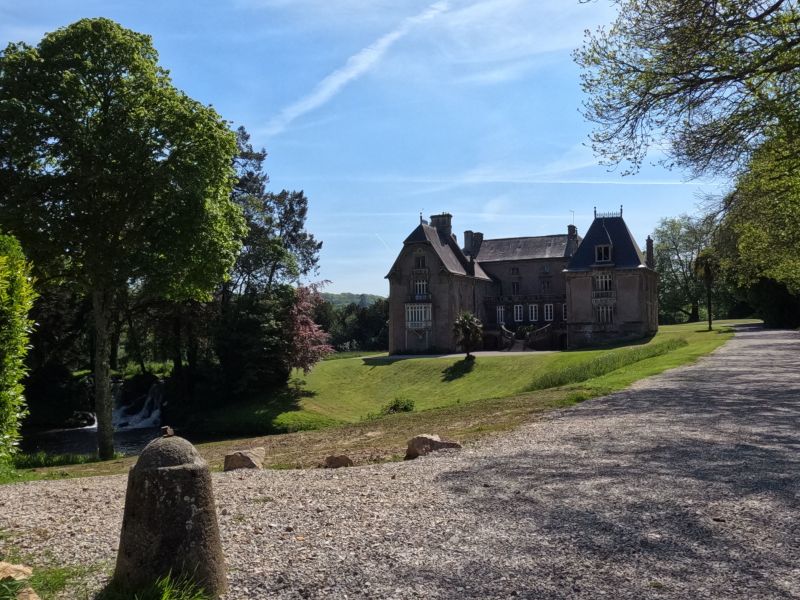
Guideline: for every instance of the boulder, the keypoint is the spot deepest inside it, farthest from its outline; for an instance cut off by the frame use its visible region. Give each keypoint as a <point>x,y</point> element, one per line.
<point>170,520</point>
<point>252,458</point>
<point>27,594</point>
<point>19,573</point>
<point>423,444</point>
<point>336,461</point>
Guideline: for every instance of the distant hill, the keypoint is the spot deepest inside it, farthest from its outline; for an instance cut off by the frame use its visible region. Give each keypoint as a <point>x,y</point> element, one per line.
<point>347,298</point>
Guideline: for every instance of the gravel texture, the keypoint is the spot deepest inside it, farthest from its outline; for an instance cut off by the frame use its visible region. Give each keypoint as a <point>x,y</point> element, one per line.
<point>684,486</point>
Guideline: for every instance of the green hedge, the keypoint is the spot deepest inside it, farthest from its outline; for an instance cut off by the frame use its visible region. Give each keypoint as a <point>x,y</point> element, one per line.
<point>604,363</point>
<point>16,299</point>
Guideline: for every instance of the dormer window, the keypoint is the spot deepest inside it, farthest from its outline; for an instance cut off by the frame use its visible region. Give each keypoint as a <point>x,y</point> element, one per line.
<point>602,253</point>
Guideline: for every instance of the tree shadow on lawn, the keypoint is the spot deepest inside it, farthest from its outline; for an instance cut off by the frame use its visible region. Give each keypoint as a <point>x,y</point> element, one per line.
<point>250,416</point>
<point>385,361</point>
<point>458,369</point>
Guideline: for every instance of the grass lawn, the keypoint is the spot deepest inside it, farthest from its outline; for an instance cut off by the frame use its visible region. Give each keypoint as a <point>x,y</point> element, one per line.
<point>329,411</point>
<point>350,390</point>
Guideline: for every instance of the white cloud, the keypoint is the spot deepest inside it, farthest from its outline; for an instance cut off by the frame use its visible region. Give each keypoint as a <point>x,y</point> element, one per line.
<point>356,66</point>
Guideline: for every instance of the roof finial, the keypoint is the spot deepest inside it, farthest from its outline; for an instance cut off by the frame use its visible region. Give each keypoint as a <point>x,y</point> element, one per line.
<point>595,212</point>
<point>420,217</point>
<point>620,210</point>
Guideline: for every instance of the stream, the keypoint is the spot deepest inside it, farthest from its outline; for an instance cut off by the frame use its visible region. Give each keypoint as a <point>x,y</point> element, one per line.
<point>135,425</point>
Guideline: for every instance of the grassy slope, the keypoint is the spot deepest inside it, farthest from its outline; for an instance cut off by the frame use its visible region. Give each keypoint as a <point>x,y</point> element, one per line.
<point>349,390</point>
<point>461,414</point>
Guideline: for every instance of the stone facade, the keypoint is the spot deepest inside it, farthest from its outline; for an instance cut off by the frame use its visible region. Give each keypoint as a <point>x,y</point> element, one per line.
<point>551,285</point>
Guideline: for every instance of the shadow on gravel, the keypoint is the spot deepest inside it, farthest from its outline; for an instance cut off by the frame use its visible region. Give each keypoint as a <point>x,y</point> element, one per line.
<point>685,488</point>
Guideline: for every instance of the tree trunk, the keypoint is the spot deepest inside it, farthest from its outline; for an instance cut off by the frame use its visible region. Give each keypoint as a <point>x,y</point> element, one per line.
<point>177,350</point>
<point>694,317</point>
<point>102,383</point>
<point>191,359</point>
<point>115,335</point>
<point>708,305</point>
<point>137,347</point>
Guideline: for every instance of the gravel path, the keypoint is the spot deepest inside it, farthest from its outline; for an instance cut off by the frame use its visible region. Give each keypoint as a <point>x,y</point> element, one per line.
<point>684,486</point>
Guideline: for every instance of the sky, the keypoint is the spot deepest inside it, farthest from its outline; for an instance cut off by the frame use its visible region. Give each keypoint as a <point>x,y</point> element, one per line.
<point>382,109</point>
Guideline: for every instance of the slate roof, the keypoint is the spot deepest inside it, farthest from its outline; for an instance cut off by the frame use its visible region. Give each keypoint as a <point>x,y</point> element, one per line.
<point>625,251</point>
<point>523,248</point>
<point>446,249</point>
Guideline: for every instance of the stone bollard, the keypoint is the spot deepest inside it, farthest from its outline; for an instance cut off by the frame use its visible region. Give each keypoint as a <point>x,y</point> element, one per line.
<point>170,522</point>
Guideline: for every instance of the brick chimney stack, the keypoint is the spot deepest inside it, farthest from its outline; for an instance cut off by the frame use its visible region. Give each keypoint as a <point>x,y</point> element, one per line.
<point>443,224</point>
<point>572,231</point>
<point>650,259</point>
<point>468,243</point>
<point>477,240</point>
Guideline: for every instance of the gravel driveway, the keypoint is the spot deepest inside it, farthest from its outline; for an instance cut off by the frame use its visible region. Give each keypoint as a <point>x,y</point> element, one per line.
<point>684,486</point>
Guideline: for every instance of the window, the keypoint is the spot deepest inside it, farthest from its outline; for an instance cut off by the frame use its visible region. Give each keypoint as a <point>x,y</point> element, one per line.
<point>548,312</point>
<point>564,312</point>
<point>602,282</point>
<point>515,288</point>
<point>418,316</point>
<point>501,315</point>
<point>533,312</point>
<point>421,287</point>
<point>602,253</point>
<point>419,262</point>
<point>545,285</point>
<point>546,268</point>
<point>515,270</point>
<point>605,314</point>
<point>518,313</point>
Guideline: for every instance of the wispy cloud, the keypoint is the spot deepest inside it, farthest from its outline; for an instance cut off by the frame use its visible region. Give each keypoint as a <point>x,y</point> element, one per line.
<point>356,66</point>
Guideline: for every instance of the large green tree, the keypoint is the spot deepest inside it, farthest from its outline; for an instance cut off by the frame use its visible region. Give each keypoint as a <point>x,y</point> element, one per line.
<point>277,249</point>
<point>708,79</point>
<point>763,217</point>
<point>677,243</point>
<point>111,177</point>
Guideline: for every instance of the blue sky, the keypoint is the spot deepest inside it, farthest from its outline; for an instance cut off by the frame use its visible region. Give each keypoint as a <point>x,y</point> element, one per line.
<point>381,109</point>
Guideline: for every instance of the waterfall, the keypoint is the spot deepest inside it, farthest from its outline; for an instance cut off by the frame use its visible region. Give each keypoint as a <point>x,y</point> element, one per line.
<point>143,412</point>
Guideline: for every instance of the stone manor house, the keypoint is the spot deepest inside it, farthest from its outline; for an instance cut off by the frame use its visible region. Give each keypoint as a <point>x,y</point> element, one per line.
<point>550,291</point>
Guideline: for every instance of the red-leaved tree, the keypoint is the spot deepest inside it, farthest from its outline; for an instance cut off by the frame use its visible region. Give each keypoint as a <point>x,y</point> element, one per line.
<point>309,343</point>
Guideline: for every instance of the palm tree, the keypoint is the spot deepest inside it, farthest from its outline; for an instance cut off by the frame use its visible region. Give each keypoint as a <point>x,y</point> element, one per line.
<point>468,330</point>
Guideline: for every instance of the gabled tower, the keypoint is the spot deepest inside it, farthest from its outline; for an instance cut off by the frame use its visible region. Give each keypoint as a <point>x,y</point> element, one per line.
<point>612,290</point>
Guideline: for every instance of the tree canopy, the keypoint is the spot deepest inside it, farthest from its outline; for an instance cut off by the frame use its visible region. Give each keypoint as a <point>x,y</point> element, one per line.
<point>111,177</point>
<point>677,243</point>
<point>708,79</point>
<point>763,218</point>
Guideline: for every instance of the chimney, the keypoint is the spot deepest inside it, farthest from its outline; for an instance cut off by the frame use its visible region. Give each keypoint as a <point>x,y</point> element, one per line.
<point>443,224</point>
<point>650,260</point>
<point>468,243</point>
<point>477,240</point>
<point>572,231</point>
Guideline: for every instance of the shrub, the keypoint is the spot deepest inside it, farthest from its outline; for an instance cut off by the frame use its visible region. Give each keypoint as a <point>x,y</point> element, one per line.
<point>16,300</point>
<point>398,405</point>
